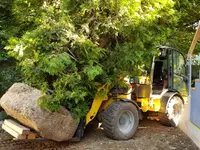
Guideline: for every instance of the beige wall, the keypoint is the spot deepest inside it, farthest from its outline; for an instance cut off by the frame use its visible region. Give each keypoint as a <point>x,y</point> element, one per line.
<point>188,128</point>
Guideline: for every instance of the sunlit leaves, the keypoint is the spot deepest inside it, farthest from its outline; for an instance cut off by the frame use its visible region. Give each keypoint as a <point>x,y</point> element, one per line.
<point>55,64</point>
<point>69,48</point>
<point>93,71</point>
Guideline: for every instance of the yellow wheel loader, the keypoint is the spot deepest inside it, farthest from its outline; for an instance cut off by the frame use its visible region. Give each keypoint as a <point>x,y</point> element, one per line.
<point>162,93</point>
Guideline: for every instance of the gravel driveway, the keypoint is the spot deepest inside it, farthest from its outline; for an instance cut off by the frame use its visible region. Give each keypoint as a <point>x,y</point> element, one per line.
<point>149,136</point>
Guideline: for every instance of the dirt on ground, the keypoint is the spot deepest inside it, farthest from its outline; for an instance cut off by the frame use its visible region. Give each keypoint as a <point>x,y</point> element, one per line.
<point>149,136</point>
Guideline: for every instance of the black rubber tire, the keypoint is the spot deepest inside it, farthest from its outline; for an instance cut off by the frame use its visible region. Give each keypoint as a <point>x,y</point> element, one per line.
<point>173,112</point>
<point>113,125</point>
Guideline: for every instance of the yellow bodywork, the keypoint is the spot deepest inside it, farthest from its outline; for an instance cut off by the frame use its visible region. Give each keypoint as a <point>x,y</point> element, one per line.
<point>156,104</point>
<point>97,102</point>
<point>144,80</point>
<point>101,102</point>
<point>148,104</point>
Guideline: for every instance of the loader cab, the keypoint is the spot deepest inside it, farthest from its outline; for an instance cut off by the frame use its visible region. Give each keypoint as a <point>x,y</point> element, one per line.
<point>159,95</point>
<point>169,71</point>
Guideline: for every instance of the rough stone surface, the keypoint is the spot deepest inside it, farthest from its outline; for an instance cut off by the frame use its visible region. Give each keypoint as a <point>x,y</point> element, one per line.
<point>20,102</point>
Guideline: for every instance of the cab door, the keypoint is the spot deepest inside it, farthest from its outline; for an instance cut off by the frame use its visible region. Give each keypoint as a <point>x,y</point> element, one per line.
<point>179,73</point>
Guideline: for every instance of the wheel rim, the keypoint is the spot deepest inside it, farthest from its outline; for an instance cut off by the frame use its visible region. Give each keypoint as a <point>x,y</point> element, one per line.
<point>126,122</point>
<point>175,109</point>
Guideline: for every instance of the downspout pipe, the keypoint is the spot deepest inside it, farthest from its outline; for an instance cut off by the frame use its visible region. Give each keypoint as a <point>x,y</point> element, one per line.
<point>189,76</point>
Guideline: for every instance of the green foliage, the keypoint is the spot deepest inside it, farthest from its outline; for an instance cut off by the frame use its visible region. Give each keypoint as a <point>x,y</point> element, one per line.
<point>47,102</point>
<point>54,65</point>
<point>188,14</point>
<point>8,75</point>
<point>69,48</point>
<point>92,72</point>
<point>3,56</point>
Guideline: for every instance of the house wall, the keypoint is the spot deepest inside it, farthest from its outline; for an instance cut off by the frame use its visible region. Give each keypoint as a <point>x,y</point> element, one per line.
<point>190,120</point>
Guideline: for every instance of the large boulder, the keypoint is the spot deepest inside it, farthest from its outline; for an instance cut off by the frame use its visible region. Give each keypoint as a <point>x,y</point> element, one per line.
<point>20,102</point>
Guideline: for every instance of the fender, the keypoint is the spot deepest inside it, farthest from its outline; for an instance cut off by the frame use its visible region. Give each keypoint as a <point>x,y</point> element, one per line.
<point>134,103</point>
<point>165,98</point>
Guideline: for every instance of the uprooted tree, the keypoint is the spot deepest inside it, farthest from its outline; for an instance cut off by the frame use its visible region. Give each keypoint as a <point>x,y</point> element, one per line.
<point>69,48</point>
